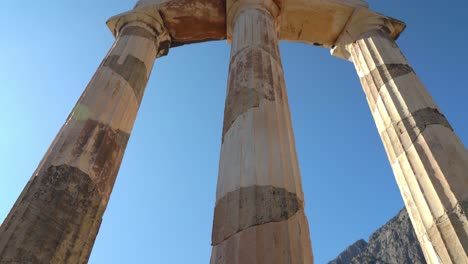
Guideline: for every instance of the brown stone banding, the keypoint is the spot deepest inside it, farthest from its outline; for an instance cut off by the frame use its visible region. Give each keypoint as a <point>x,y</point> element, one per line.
<point>383,74</point>
<point>251,206</point>
<point>133,70</point>
<point>409,128</point>
<point>251,79</point>
<point>108,146</point>
<point>163,44</point>
<point>274,54</point>
<point>51,222</point>
<point>271,243</point>
<point>416,122</point>
<point>139,32</point>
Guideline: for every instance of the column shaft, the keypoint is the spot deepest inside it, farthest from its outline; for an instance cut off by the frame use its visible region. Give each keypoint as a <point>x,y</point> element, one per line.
<point>429,161</point>
<point>259,214</point>
<point>57,216</point>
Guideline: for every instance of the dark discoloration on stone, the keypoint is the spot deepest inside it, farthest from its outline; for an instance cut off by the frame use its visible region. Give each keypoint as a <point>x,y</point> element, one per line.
<point>407,130</point>
<point>164,47</point>
<point>53,219</point>
<point>139,32</point>
<point>133,70</point>
<point>268,36</point>
<point>451,227</point>
<point>251,206</point>
<point>463,208</point>
<point>417,122</point>
<point>204,22</point>
<point>385,73</point>
<point>255,71</point>
<point>459,218</point>
<point>161,40</point>
<point>107,150</point>
<point>373,81</point>
<point>371,91</point>
<point>88,246</point>
<point>250,81</point>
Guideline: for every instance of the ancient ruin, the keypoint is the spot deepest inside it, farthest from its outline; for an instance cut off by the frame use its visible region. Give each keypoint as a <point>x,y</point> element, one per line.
<point>259,212</point>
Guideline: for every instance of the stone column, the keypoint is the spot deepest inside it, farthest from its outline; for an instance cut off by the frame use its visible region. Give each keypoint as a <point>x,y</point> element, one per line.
<point>259,213</point>
<point>57,216</point>
<point>429,161</point>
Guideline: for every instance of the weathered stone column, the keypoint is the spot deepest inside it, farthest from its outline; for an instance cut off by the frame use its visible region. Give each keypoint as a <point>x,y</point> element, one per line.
<point>259,214</point>
<point>429,161</point>
<point>57,216</point>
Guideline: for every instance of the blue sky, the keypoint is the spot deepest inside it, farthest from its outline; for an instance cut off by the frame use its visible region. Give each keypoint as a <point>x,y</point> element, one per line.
<point>161,208</point>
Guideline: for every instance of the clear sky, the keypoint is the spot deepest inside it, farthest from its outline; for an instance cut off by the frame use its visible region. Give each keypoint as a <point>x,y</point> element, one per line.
<point>161,208</point>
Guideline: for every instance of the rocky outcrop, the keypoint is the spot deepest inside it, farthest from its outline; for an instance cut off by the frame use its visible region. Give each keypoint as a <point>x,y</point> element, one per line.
<point>393,243</point>
<point>350,252</point>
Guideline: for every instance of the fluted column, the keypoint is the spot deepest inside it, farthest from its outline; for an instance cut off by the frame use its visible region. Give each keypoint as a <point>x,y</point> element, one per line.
<point>57,216</point>
<point>259,213</point>
<point>429,161</point>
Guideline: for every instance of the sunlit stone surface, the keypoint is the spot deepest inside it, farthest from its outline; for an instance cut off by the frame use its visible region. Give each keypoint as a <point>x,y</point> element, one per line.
<point>429,161</point>
<point>259,212</point>
<point>58,214</point>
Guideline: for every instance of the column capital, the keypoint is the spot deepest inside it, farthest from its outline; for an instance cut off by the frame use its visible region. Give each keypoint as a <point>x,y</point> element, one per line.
<point>362,22</point>
<point>234,7</point>
<point>144,25</point>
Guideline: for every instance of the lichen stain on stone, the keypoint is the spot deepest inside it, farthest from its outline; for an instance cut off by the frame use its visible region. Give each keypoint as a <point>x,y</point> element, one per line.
<point>383,74</point>
<point>110,146</point>
<point>250,80</point>
<point>408,129</point>
<point>416,122</point>
<point>57,212</point>
<point>81,112</point>
<point>139,32</point>
<point>251,206</point>
<point>133,70</point>
<point>105,153</point>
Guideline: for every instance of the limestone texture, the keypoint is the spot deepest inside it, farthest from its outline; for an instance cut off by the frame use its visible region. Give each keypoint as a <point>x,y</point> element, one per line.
<point>259,215</point>
<point>429,161</point>
<point>393,243</point>
<point>251,206</point>
<point>57,216</point>
<point>314,22</point>
<point>259,212</point>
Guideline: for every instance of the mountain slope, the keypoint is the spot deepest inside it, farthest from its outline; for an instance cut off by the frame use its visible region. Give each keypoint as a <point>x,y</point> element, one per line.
<point>393,243</point>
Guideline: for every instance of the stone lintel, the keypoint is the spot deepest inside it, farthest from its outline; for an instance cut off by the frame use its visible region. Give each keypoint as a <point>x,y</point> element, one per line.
<point>315,22</point>
<point>363,21</point>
